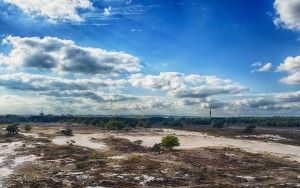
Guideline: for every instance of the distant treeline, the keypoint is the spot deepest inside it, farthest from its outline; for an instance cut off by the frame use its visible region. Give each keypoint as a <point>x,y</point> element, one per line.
<point>147,121</point>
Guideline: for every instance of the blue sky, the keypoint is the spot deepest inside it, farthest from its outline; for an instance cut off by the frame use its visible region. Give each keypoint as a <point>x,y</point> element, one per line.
<point>246,42</point>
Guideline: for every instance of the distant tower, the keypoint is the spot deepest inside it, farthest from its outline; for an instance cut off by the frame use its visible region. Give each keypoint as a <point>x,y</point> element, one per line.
<point>210,113</point>
<point>42,114</point>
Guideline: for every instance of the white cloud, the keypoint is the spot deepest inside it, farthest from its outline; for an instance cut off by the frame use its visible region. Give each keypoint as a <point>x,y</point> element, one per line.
<point>186,86</point>
<point>291,66</point>
<point>35,82</point>
<point>275,101</point>
<point>53,10</point>
<point>259,67</point>
<point>59,55</point>
<point>288,14</point>
<point>107,11</point>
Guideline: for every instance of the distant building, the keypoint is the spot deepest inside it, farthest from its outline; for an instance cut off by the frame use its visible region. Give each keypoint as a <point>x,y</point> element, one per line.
<point>209,113</point>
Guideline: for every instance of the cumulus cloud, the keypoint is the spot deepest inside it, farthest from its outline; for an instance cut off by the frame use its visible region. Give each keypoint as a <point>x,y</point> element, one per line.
<point>204,103</point>
<point>260,67</point>
<point>148,104</point>
<point>287,14</point>
<point>107,11</point>
<point>91,95</point>
<point>186,86</point>
<point>291,66</point>
<point>53,10</point>
<point>59,55</point>
<point>277,101</point>
<point>65,88</point>
<point>34,82</point>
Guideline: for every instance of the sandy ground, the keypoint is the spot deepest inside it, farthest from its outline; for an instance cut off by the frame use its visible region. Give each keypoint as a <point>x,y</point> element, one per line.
<point>188,140</point>
<point>95,158</point>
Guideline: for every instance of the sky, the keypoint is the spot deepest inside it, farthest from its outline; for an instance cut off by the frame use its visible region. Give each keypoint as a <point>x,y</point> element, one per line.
<point>143,57</point>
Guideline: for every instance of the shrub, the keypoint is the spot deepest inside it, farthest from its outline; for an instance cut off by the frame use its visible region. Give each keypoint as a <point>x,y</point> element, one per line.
<point>218,124</point>
<point>156,148</point>
<point>67,132</point>
<point>12,130</point>
<point>170,142</point>
<point>249,129</point>
<point>138,142</point>
<point>27,128</point>
<point>115,125</point>
<point>134,157</point>
<point>94,155</point>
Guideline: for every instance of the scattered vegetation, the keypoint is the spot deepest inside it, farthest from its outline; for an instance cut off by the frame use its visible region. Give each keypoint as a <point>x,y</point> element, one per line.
<point>218,124</point>
<point>12,130</point>
<point>27,128</point>
<point>170,142</point>
<point>134,157</point>
<point>115,125</point>
<point>67,132</point>
<point>249,129</point>
<point>138,142</point>
<point>148,121</point>
<point>94,155</point>
<point>156,147</point>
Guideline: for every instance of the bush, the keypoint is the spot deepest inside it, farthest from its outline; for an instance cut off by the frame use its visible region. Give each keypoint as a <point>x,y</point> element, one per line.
<point>134,157</point>
<point>170,142</point>
<point>138,142</point>
<point>67,132</point>
<point>218,124</point>
<point>115,125</point>
<point>12,130</point>
<point>27,128</point>
<point>156,148</point>
<point>94,155</point>
<point>249,129</point>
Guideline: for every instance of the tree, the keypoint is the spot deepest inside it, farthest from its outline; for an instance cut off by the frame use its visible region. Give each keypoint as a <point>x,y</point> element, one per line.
<point>249,129</point>
<point>115,125</point>
<point>27,128</point>
<point>12,129</point>
<point>170,142</point>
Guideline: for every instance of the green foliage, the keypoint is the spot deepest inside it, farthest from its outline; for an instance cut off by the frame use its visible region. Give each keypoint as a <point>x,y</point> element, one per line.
<point>134,157</point>
<point>148,121</point>
<point>27,128</point>
<point>170,142</point>
<point>67,132</point>
<point>12,130</point>
<point>171,122</point>
<point>94,155</point>
<point>115,125</point>
<point>138,142</point>
<point>218,124</point>
<point>249,129</point>
<point>156,147</point>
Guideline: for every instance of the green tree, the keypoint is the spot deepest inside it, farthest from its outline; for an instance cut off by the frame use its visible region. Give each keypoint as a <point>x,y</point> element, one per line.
<point>249,129</point>
<point>115,125</point>
<point>170,142</point>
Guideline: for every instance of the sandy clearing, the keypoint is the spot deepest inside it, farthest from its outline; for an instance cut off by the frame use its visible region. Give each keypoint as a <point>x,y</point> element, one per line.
<point>8,154</point>
<point>188,140</point>
<point>83,140</point>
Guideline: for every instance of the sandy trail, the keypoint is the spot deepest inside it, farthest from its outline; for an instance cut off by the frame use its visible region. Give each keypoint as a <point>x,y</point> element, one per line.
<point>188,140</point>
